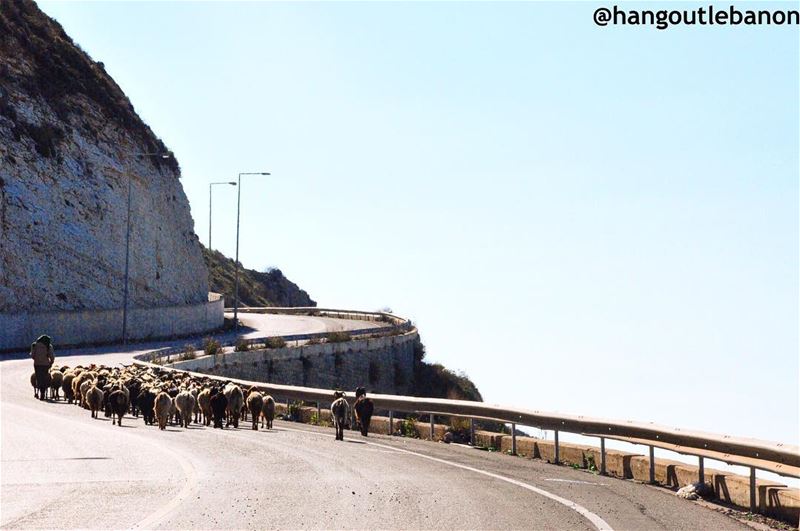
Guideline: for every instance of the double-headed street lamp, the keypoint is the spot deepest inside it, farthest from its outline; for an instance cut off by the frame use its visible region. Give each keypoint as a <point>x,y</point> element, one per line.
<point>238,212</point>
<point>209,208</point>
<point>128,242</point>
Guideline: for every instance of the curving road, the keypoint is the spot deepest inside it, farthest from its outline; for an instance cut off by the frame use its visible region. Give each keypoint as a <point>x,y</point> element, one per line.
<point>62,469</point>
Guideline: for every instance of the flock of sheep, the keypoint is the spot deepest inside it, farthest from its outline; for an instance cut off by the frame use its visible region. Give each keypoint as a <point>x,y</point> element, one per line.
<point>172,397</point>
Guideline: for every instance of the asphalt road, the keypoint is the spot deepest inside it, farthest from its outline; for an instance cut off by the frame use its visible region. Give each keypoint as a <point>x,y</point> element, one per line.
<point>261,325</point>
<point>62,469</point>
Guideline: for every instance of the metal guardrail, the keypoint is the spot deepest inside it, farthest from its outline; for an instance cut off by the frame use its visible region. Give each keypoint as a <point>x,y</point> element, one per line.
<point>779,458</point>
<point>398,326</point>
<point>783,459</point>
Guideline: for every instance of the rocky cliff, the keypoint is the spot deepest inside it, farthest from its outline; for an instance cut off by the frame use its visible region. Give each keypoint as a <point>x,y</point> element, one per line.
<point>270,288</point>
<point>70,144</point>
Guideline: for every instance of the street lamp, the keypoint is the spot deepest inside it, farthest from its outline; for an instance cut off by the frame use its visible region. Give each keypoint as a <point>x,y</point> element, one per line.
<point>128,242</point>
<point>209,208</point>
<point>236,263</point>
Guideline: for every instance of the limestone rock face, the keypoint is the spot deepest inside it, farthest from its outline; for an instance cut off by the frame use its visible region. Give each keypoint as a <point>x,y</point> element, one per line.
<point>68,144</point>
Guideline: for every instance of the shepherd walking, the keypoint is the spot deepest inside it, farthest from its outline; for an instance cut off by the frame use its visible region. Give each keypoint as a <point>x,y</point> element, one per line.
<point>43,358</point>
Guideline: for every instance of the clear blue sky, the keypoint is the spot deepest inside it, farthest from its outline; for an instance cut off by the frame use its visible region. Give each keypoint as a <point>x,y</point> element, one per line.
<point>593,220</point>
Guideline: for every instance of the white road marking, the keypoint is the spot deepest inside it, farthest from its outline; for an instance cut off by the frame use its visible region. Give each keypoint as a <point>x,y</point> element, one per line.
<point>598,522</point>
<point>188,489</point>
<point>190,485</point>
<point>576,481</point>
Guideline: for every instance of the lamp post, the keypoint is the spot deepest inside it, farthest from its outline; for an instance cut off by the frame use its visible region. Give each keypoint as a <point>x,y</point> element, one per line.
<point>209,208</point>
<point>128,242</point>
<point>236,262</point>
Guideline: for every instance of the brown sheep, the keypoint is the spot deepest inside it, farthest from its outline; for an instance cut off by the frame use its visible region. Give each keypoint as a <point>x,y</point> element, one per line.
<point>268,411</point>
<point>77,382</point>
<point>184,402</point>
<point>83,389</point>
<point>204,401</point>
<point>255,402</point>
<point>161,409</point>
<point>235,397</point>
<point>94,399</point>
<point>66,386</point>
<point>56,379</point>
<point>196,393</point>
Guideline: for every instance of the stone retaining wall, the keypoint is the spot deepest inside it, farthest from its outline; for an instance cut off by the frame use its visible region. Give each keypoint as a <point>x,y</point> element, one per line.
<point>17,331</point>
<point>382,364</point>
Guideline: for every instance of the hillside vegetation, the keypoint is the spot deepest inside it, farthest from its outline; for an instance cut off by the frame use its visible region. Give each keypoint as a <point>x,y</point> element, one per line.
<point>257,289</point>
<point>434,380</point>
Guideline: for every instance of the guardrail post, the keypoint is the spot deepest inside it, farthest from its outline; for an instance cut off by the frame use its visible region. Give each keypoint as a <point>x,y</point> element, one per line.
<point>602,456</point>
<point>432,428</point>
<point>391,423</point>
<point>752,490</point>
<point>652,465</point>
<point>513,439</point>
<point>701,471</point>
<point>556,445</point>
<point>472,432</point>
<point>319,414</point>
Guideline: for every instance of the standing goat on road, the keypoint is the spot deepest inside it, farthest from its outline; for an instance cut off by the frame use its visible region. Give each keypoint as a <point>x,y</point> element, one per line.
<point>339,412</point>
<point>363,410</point>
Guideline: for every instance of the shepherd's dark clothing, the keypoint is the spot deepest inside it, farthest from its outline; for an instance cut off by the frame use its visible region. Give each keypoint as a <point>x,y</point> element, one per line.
<point>42,379</point>
<point>43,358</point>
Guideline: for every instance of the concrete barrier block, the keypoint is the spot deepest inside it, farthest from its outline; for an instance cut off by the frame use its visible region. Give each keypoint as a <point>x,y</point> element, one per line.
<point>782,503</point>
<point>489,439</point>
<point>380,425</point>
<point>664,470</point>
<point>570,454</point>
<point>526,446</point>
<point>735,489</point>
<point>424,431</point>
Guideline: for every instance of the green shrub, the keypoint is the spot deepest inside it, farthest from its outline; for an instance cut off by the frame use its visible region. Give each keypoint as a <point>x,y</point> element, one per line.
<point>590,464</point>
<point>275,342</point>
<point>188,353</point>
<point>241,345</point>
<point>315,420</point>
<point>294,410</point>
<point>339,337</point>
<point>408,427</point>
<point>211,346</point>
